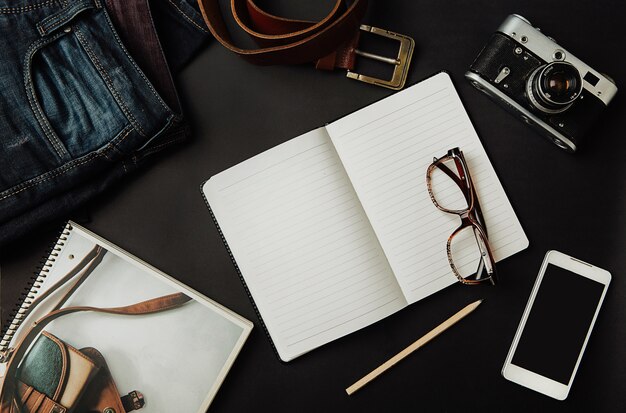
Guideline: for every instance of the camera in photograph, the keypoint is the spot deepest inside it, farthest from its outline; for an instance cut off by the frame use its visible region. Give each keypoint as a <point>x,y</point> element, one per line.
<point>548,87</point>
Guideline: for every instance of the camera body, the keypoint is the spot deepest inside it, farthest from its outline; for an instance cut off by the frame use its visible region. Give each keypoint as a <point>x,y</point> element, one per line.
<point>541,82</point>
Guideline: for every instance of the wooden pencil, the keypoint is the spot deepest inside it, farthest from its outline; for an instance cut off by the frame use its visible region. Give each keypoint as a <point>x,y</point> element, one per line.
<point>411,348</point>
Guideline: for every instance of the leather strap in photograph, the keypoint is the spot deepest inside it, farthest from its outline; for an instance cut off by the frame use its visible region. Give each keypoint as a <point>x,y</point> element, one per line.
<point>329,43</point>
<point>9,402</point>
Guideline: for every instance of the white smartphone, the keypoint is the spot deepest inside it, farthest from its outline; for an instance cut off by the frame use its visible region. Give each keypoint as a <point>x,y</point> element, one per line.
<point>556,324</point>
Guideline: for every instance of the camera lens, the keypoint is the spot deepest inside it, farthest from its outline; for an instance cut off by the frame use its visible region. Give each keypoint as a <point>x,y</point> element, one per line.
<point>553,87</point>
<point>560,84</point>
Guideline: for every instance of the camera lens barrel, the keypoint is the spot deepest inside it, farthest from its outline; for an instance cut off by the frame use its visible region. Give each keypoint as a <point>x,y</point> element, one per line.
<point>552,88</point>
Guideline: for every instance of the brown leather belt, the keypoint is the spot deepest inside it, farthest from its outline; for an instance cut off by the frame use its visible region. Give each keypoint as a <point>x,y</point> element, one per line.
<point>329,43</point>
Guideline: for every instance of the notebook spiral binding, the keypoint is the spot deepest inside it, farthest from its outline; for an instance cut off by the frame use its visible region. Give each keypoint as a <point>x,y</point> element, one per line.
<point>20,311</point>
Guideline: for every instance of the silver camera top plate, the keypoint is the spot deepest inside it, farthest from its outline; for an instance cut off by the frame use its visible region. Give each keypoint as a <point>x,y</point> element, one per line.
<point>520,30</point>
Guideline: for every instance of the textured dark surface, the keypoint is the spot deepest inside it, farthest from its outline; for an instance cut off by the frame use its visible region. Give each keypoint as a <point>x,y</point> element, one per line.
<point>572,203</point>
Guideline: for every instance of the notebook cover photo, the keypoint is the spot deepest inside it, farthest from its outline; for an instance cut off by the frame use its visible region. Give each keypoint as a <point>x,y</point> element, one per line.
<point>177,359</point>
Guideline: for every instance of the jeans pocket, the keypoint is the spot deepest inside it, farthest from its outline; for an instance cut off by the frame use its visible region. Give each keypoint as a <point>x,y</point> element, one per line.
<point>72,103</point>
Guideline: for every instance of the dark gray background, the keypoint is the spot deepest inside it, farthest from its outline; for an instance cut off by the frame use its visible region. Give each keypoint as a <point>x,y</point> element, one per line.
<point>572,203</point>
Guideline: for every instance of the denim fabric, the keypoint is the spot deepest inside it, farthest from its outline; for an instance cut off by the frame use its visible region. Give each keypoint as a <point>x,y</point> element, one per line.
<point>181,29</point>
<point>133,21</point>
<point>76,110</point>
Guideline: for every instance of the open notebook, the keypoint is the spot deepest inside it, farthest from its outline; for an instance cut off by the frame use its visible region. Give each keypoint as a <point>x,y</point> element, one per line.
<point>334,230</point>
<point>177,358</point>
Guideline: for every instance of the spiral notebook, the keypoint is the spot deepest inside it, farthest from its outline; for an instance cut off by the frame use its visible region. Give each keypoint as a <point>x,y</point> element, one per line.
<point>334,230</point>
<point>177,358</point>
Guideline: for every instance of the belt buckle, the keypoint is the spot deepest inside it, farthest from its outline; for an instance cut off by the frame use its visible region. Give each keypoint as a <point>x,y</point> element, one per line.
<point>401,63</point>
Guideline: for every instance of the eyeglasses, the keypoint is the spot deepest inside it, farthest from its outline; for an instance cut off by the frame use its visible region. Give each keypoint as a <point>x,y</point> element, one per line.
<point>451,190</point>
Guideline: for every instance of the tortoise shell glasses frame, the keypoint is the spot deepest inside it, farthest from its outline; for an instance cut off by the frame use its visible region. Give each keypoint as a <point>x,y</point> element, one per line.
<point>471,216</point>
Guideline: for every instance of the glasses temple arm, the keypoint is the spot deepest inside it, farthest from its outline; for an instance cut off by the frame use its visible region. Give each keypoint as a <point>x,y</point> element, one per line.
<point>478,212</point>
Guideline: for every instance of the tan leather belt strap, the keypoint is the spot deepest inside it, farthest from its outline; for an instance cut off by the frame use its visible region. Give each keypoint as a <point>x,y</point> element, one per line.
<point>286,41</point>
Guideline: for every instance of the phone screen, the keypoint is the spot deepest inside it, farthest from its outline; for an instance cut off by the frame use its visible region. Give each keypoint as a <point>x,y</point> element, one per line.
<point>558,323</point>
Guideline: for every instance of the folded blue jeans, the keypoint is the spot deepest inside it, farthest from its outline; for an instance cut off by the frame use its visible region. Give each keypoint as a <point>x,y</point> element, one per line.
<point>77,112</point>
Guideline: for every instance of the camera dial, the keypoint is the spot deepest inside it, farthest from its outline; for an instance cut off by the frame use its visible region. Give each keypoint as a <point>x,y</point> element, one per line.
<point>553,87</point>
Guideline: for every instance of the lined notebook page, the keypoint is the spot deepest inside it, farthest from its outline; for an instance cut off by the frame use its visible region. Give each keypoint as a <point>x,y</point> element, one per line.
<point>386,149</point>
<point>303,244</point>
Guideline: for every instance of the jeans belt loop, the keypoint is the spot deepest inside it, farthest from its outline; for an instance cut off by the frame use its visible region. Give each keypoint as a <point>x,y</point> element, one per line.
<point>69,10</point>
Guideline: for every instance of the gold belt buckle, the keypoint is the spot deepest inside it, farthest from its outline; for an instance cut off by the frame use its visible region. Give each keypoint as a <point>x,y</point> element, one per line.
<point>401,63</point>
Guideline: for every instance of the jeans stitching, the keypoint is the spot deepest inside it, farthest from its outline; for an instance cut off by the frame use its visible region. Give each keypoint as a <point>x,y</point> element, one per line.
<point>121,136</point>
<point>51,23</point>
<point>109,83</point>
<point>15,10</point>
<point>187,17</point>
<point>51,20</point>
<point>43,122</point>
<point>67,167</point>
<point>45,30</point>
<point>153,149</point>
<point>49,175</point>
<point>120,139</point>
<point>139,71</point>
<point>169,75</point>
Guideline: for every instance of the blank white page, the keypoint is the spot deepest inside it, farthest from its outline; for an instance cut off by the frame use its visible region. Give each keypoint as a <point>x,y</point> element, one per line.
<point>386,149</point>
<point>303,244</point>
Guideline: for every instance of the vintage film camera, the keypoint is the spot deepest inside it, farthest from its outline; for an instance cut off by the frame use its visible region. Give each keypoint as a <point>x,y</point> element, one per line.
<point>540,81</point>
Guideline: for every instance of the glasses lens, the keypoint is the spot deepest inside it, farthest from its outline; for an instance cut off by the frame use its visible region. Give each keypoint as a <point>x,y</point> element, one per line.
<point>448,186</point>
<point>469,255</point>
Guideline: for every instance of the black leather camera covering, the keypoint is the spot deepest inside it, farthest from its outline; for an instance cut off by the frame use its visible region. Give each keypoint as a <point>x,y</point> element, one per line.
<point>499,52</point>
